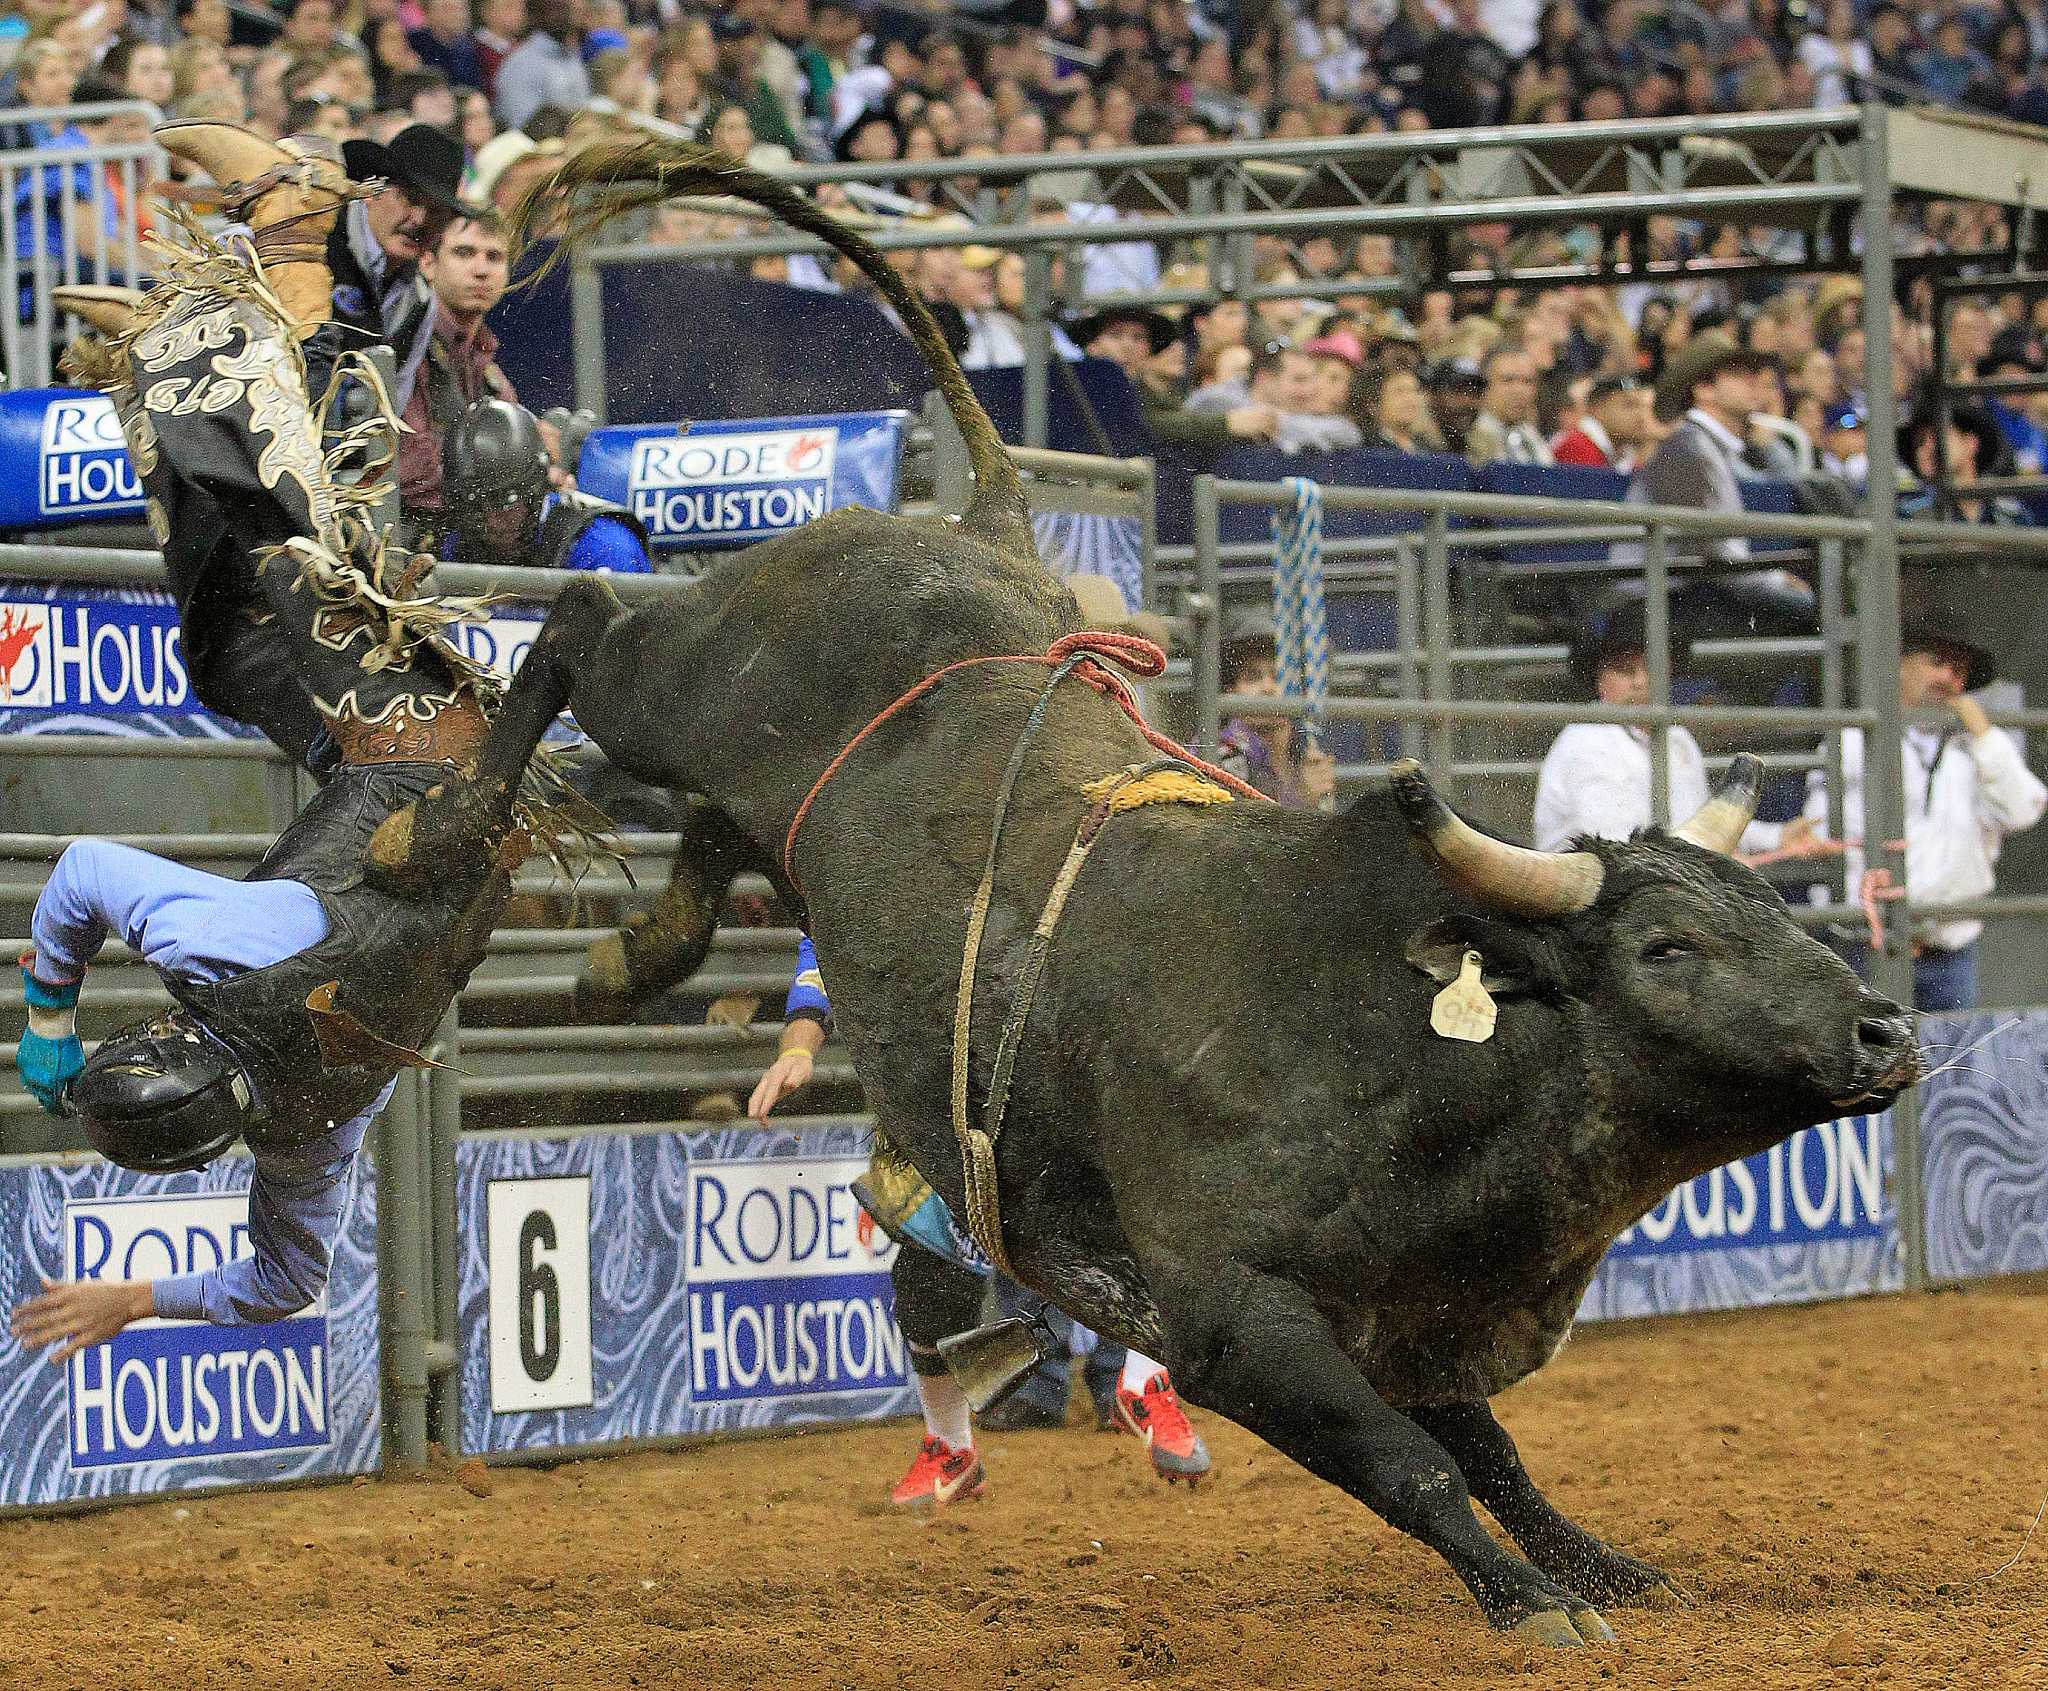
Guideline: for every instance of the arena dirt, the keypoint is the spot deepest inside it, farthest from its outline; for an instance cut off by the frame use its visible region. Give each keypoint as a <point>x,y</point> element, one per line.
<point>1825,1481</point>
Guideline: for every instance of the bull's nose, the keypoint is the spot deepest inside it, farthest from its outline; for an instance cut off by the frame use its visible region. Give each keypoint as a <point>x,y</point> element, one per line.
<point>1882,1036</point>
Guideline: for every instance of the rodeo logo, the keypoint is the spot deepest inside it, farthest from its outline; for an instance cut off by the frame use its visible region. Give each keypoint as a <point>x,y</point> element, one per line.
<point>91,654</point>
<point>731,486</point>
<point>789,1293</point>
<point>83,468</point>
<point>170,1390</point>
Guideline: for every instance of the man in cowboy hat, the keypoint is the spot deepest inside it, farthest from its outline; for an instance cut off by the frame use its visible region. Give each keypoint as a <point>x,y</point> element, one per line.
<point>1710,390</point>
<point>374,249</point>
<point>1131,337</point>
<point>1596,777</point>
<point>1966,788</point>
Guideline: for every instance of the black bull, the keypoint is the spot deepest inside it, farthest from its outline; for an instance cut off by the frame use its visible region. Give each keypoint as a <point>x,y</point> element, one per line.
<point>1234,1141</point>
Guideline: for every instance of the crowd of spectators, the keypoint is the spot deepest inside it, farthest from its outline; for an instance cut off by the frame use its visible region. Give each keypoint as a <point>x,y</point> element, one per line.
<point>1559,375</point>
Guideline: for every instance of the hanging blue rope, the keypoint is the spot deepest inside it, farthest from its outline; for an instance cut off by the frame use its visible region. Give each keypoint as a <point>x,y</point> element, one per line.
<point>1301,630</point>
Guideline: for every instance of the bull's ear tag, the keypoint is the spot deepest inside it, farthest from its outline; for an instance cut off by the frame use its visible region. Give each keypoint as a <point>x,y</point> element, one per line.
<point>1464,1009</point>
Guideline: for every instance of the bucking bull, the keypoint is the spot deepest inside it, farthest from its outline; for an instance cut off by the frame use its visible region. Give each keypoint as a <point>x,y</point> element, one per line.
<point>1227,1132</point>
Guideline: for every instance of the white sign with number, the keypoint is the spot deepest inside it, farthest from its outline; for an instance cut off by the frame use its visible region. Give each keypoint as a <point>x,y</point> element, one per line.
<point>539,1246</point>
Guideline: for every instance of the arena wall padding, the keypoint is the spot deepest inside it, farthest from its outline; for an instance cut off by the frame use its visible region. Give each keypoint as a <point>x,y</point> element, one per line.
<point>701,1247</point>
<point>177,1405</point>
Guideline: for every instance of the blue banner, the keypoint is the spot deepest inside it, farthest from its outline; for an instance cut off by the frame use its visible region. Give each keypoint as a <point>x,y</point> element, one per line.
<point>646,1285</point>
<point>110,660</point>
<point>63,461</point>
<point>166,1405</point>
<point>728,484</point>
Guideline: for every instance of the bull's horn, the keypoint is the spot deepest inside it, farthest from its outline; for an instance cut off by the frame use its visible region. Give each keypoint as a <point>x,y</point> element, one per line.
<point>1718,823</point>
<point>1511,877</point>
<point>100,305</point>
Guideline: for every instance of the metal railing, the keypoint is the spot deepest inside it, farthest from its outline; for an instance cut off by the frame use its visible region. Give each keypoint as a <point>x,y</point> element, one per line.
<point>68,214</point>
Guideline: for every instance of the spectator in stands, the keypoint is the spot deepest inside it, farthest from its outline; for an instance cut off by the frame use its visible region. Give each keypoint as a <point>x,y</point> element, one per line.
<point>1338,355</point>
<point>1596,777</point>
<point>742,44</point>
<point>375,248</point>
<point>1614,428</point>
<point>505,501</point>
<point>1130,337</point>
<point>1974,447</point>
<point>467,270</point>
<point>500,27</point>
<point>1845,442</point>
<point>1506,427</point>
<point>1455,388</point>
<point>140,70</point>
<point>1269,751</point>
<point>2017,352</point>
<point>1709,391</point>
<point>443,42</point>
<point>1965,792</point>
<point>1391,411</point>
<point>545,69</point>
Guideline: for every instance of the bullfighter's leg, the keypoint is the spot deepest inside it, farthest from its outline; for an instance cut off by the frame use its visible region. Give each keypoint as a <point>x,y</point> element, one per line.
<point>660,948</point>
<point>452,821</point>
<point>1486,1455</point>
<point>1255,1348</point>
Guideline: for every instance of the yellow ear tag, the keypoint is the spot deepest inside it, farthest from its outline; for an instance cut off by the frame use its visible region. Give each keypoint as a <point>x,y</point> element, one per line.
<point>1464,1009</point>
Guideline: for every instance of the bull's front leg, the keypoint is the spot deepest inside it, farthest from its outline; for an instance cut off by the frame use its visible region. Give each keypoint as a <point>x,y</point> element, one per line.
<point>1256,1349</point>
<point>665,946</point>
<point>456,820</point>
<point>1559,1546</point>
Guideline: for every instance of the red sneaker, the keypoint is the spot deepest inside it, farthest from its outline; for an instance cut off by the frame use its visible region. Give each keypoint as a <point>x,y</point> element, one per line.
<point>1156,1416</point>
<point>941,1475</point>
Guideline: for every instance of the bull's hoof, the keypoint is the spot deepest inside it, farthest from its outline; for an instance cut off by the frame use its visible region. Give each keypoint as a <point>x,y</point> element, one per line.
<point>1605,1575</point>
<point>1560,1629</point>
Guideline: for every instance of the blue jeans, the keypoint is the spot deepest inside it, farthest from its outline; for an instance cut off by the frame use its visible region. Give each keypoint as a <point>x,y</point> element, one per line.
<point>1048,1384</point>
<point>1942,980</point>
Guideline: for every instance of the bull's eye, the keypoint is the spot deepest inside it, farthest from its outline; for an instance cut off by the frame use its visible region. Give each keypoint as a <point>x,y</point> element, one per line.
<point>1667,951</point>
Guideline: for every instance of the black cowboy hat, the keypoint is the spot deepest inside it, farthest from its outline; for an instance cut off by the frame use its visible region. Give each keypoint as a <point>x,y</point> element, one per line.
<point>1701,359</point>
<point>426,162</point>
<point>1597,645</point>
<point>1931,622</point>
<point>1159,328</point>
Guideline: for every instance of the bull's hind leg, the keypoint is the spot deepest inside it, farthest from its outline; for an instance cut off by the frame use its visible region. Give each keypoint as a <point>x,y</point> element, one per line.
<point>1256,1349</point>
<point>1561,1548</point>
<point>663,947</point>
<point>454,821</point>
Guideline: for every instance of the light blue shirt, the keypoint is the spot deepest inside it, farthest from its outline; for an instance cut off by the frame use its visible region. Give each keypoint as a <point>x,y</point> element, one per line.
<point>193,926</point>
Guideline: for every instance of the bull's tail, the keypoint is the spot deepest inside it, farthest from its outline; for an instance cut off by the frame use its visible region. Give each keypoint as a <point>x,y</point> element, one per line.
<point>601,182</point>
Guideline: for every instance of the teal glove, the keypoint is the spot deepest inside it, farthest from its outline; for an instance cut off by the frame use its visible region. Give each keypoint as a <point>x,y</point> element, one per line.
<point>49,1054</point>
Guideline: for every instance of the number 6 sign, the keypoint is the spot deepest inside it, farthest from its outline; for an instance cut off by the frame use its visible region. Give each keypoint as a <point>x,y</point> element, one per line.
<point>539,1246</point>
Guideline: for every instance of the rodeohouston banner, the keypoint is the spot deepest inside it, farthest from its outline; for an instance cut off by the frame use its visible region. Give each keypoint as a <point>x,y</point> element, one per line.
<point>63,461</point>
<point>649,1284</point>
<point>1817,1217</point>
<point>110,660</point>
<point>702,485</point>
<point>171,1404</point>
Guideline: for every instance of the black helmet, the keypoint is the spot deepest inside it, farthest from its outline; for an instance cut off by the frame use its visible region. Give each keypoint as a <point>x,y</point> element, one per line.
<point>494,457</point>
<point>163,1096</point>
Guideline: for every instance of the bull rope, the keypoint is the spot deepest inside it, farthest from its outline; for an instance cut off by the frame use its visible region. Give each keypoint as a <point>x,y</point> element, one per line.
<point>1301,630</point>
<point>1073,654</point>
